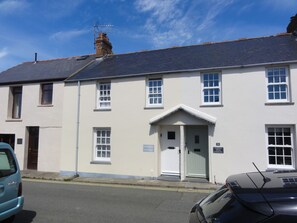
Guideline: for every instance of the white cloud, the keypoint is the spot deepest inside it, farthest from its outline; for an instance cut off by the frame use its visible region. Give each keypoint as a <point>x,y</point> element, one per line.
<point>162,11</point>
<point>179,22</point>
<point>10,6</point>
<point>3,53</point>
<point>67,35</point>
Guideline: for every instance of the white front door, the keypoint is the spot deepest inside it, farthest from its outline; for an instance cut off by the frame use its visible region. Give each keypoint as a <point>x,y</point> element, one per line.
<point>170,152</point>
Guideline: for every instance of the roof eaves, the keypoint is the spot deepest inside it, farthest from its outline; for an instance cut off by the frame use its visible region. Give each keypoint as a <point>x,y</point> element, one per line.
<point>31,81</point>
<point>182,71</point>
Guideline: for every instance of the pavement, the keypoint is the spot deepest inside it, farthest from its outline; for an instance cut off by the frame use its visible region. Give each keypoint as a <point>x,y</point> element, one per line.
<point>189,184</point>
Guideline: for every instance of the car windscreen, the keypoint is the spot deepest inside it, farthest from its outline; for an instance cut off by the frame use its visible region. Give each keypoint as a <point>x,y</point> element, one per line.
<point>7,163</point>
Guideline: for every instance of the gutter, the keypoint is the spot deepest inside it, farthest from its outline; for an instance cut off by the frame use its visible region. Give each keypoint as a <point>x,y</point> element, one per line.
<point>183,71</point>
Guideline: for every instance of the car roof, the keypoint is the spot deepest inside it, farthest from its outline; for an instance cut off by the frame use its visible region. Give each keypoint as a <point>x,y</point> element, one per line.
<point>263,180</point>
<point>266,192</point>
<point>4,145</point>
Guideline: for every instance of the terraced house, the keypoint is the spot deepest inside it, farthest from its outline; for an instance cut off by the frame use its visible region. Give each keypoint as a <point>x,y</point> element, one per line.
<point>32,109</point>
<point>205,111</point>
<point>201,111</point>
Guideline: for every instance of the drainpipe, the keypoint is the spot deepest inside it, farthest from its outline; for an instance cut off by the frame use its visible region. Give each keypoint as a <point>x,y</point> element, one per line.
<point>182,153</point>
<point>77,129</point>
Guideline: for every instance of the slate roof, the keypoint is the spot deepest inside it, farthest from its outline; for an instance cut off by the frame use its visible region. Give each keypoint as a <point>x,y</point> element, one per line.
<point>244,52</point>
<point>49,70</point>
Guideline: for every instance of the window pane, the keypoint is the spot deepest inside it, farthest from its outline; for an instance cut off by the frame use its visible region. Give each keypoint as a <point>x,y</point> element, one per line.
<point>288,161</point>
<point>272,160</point>
<point>279,160</point>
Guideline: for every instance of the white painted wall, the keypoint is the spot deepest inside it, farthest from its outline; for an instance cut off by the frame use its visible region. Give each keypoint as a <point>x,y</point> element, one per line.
<point>240,126</point>
<point>47,118</point>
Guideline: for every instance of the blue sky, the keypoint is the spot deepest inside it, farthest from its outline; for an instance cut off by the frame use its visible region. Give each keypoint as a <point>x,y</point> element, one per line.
<point>63,28</point>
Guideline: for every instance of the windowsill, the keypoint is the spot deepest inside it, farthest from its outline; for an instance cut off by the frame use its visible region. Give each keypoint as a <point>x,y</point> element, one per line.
<point>279,103</point>
<point>272,169</point>
<point>102,109</point>
<point>49,105</point>
<point>100,162</point>
<point>212,105</point>
<point>154,107</point>
<point>14,120</point>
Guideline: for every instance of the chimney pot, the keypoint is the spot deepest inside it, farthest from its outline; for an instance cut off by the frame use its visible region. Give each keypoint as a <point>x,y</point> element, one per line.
<point>35,60</point>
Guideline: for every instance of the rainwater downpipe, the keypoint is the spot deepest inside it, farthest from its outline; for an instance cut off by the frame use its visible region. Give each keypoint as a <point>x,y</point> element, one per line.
<point>77,130</point>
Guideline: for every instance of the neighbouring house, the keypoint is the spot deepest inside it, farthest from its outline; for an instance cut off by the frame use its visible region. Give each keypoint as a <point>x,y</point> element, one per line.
<point>32,105</point>
<point>206,110</point>
<point>32,109</point>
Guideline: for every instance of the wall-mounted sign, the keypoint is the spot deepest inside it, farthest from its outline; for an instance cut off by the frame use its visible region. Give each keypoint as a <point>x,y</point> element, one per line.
<point>148,148</point>
<point>19,141</point>
<point>218,149</point>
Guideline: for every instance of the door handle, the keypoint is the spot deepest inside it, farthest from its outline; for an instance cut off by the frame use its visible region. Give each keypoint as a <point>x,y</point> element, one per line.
<point>171,147</point>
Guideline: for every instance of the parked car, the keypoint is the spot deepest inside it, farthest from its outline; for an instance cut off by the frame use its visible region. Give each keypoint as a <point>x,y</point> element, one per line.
<point>11,198</point>
<point>268,197</point>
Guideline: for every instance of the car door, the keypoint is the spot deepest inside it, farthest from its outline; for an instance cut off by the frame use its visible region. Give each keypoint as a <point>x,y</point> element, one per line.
<point>8,180</point>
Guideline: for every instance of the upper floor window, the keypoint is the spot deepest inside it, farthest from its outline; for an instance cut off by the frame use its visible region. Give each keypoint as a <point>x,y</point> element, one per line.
<point>16,102</point>
<point>155,92</point>
<point>104,95</point>
<point>211,89</point>
<point>280,147</point>
<point>47,94</point>
<point>102,150</point>
<point>277,84</point>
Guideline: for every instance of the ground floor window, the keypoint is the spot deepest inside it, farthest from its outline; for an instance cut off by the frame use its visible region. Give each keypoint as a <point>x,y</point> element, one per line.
<point>102,146</point>
<point>280,146</point>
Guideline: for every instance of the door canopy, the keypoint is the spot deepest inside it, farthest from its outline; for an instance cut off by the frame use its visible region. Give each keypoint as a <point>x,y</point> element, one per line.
<point>186,109</point>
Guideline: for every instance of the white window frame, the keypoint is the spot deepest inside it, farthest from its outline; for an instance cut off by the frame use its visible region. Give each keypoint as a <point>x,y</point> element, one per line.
<point>104,95</point>
<point>153,93</point>
<point>281,146</point>
<point>211,88</point>
<point>278,85</point>
<point>103,140</point>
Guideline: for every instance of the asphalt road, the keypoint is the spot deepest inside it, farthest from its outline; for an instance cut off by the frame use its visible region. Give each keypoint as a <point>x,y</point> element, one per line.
<point>72,203</point>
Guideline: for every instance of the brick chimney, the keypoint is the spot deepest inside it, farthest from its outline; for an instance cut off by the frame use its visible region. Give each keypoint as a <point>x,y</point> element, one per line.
<point>103,46</point>
<point>292,26</point>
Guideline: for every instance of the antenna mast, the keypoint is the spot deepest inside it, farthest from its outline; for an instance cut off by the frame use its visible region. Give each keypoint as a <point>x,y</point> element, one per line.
<point>100,28</point>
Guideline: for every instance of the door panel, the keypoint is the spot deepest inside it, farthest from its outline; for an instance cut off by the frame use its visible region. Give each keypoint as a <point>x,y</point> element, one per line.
<point>197,151</point>
<point>170,152</point>
<point>33,148</point>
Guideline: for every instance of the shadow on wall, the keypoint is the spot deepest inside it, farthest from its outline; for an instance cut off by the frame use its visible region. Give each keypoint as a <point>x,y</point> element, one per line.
<point>25,216</point>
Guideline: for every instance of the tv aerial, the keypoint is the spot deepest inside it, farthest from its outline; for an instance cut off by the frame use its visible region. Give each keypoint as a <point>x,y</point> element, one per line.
<point>100,28</point>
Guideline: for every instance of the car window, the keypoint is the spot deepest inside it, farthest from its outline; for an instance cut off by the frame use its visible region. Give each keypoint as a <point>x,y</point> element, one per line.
<point>7,163</point>
<point>215,202</point>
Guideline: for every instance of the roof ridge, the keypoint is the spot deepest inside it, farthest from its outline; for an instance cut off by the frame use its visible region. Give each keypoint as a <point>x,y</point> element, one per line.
<point>61,58</point>
<point>204,44</point>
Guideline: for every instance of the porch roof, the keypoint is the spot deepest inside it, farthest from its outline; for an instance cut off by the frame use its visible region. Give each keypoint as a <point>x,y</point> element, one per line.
<point>187,109</point>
